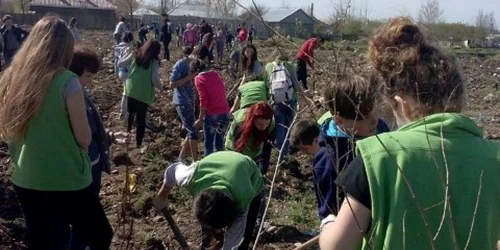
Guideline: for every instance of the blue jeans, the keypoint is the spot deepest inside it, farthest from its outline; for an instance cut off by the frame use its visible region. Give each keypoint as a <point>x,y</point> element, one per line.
<point>214,129</point>
<point>186,114</point>
<point>283,116</point>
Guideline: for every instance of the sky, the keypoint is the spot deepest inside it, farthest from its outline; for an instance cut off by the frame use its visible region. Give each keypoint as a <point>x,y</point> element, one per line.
<point>464,11</point>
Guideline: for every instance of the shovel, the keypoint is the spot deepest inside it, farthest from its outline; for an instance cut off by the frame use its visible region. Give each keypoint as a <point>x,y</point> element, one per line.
<point>177,233</point>
<point>308,244</point>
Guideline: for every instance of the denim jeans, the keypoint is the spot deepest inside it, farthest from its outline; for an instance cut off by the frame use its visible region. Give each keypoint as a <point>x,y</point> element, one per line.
<point>186,115</point>
<point>283,116</point>
<point>214,129</point>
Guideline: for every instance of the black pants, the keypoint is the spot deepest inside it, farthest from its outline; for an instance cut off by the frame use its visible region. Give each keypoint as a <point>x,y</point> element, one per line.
<point>166,43</point>
<point>77,242</point>
<point>137,110</point>
<point>49,214</point>
<point>302,73</point>
<point>253,212</point>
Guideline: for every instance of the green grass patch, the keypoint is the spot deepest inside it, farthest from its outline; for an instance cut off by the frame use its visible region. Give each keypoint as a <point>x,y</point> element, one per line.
<point>10,170</point>
<point>480,52</point>
<point>303,211</point>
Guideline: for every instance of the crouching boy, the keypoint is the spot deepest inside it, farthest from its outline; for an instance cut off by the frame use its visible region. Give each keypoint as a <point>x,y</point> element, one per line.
<point>331,140</point>
<point>226,186</point>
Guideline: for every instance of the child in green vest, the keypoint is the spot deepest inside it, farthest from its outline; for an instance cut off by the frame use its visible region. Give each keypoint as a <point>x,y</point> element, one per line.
<point>284,110</point>
<point>226,187</point>
<point>140,84</point>
<point>433,183</point>
<point>250,92</point>
<point>252,132</point>
<point>44,121</point>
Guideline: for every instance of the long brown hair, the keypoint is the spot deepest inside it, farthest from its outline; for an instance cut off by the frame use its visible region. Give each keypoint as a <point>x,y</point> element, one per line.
<point>46,51</point>
<point>147,52</point>
<point>248,63</point>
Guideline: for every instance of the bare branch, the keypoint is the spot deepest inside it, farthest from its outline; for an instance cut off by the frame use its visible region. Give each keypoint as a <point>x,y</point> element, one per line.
<point>475,210</point>
<point>430,13</point>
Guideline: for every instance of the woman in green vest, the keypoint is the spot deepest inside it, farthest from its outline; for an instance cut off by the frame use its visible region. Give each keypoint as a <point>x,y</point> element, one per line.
<point>141,82</point>
<point>250,92</point>
<point>433,183</point>
<point>251,132</point>
<point>44,121</point>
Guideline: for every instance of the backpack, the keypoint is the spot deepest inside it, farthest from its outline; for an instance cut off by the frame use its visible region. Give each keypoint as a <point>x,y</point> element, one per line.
<point>281,84</point>
<point>120,52</point>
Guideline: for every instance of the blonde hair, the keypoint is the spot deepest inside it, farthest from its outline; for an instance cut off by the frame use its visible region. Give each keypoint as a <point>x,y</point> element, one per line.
<point>47,50</point>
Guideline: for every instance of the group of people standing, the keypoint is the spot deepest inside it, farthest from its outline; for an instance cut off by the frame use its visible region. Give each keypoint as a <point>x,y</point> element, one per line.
<point>162,33</point>
<point>395,193</point>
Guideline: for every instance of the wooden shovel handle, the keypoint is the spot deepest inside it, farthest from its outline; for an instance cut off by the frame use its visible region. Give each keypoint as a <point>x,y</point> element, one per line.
<point>177,233</point>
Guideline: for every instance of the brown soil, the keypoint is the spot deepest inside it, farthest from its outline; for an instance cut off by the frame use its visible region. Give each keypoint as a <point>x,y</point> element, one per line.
<point>292,213</point>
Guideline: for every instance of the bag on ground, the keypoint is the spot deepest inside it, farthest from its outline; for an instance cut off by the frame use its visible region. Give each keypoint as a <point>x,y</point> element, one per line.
<point>281,84</point>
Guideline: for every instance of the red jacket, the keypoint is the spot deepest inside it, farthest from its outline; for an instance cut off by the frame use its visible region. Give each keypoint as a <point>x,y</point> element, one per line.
<point>306,51</point>
<point>242,35</point>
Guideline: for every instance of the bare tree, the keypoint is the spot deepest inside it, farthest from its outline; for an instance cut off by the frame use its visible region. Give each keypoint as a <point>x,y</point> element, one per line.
<point>254,11</point>
<point>342,11</point>
<point>225,7</point>
<point>22,5</point>
<point>430,13</point>
<point>492,22</point>
<point>486,21</point>
<point>127,7</point>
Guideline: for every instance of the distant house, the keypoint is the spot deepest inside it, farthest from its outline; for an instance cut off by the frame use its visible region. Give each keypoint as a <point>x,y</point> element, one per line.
<point>291,22</point>
<point>493,40</point>
<point>145,12</point>
<point>197,10</point>
<point>92,14</point>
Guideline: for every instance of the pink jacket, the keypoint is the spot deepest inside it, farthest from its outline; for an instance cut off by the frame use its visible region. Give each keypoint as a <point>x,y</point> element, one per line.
<point>211,92</point>
<point>189,37</point>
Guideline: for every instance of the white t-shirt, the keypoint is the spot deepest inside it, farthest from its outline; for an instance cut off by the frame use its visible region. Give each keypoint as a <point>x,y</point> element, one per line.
<point>120,28</point>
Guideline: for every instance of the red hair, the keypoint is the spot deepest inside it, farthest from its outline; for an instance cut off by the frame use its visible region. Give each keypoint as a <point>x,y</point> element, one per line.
<point>247,128</point>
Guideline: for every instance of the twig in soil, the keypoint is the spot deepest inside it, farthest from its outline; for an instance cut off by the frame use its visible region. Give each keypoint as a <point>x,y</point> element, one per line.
<point>125,217</point>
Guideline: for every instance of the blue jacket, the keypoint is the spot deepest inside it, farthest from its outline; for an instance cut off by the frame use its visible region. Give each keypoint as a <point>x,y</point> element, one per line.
<point>99,146</point>
<point>335,146</point>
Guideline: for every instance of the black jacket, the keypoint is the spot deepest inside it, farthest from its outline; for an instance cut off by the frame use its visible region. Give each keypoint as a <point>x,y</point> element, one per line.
<point>166,30</point>
<point>19,33</point>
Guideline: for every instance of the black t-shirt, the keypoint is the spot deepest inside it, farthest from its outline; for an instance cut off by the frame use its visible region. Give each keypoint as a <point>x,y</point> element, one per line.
<point>353,181</point>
